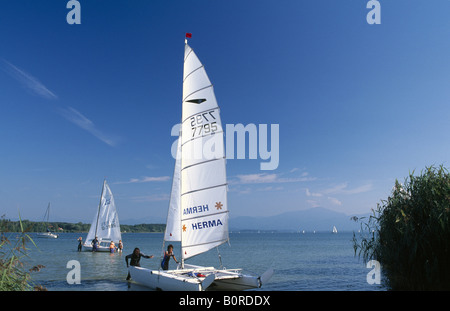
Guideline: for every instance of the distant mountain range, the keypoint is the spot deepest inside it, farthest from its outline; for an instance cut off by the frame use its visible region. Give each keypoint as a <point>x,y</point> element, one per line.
<point>318,219</point>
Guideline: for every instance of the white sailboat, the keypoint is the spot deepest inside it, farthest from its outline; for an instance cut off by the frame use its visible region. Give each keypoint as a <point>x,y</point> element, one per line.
<point>198,209</point>
<point>105,225</point>
<point>49,233</point>
<point>334,230</point>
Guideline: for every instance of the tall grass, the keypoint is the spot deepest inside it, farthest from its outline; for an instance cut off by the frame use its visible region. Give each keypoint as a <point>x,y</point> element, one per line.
<point>13,275</point>
<point>409,233</point>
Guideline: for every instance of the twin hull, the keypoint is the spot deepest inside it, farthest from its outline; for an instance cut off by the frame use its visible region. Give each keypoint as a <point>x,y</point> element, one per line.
<point>182,280</point>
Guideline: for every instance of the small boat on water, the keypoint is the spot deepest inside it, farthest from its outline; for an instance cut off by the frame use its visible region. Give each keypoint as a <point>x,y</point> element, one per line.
<point>105,225</point>
<point>48,234</point>
<point>334,230</point>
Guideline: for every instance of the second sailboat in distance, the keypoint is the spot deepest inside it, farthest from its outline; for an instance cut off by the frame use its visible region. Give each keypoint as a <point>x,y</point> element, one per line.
<point>105,226</point>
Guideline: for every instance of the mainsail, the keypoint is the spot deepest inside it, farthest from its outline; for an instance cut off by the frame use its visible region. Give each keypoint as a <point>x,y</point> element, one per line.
<point>105,225</point>
<point>198,212</point>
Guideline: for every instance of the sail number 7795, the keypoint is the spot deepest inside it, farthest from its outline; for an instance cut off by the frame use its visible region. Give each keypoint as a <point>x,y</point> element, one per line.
<point>203,123</point>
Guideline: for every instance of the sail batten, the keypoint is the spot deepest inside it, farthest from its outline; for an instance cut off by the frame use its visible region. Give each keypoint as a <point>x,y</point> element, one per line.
<point>202,162</point>
<point>203,88</point>
<point>205,136</point>
<point>192,72</point>
<point>197,190</point>
<point>212,242</point>
<point>200,217</point>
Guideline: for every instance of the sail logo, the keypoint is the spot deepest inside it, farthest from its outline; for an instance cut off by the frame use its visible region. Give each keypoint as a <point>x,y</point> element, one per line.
<point>206,224</point>
<point>195,209</point>
<point>110,225</point>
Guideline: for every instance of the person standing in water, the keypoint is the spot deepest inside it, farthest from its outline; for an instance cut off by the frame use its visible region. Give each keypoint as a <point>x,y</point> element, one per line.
<point>94,244</point>
<point>167,255</point>
<point>80,243</point>
<point>135,259</point>
<point>112,247</point>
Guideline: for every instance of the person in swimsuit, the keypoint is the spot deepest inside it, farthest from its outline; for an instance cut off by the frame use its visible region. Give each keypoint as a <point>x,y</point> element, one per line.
<point>112,247</point>
<point>80,243</point>
<point>167,255</point>
<point>94,244</point>
<point>135,259</point>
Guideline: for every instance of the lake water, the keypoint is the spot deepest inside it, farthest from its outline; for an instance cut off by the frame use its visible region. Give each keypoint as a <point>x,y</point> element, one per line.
<point>311,262</point>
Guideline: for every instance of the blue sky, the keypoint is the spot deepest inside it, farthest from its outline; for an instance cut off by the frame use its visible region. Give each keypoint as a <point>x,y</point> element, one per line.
<point>357,105</point>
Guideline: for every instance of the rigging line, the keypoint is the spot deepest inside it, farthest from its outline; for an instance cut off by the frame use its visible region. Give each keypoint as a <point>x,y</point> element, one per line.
<point>201,216</point>
<point>207,188</point>
<point>192,72</point>
<point>220,257</point>
<point>197,91</point>
<point>189,166</point>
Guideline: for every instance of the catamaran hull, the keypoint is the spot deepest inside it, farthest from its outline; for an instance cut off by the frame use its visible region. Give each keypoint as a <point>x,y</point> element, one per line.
<point>159,280</point>
<point>244,282</point>
<point>179,280</point>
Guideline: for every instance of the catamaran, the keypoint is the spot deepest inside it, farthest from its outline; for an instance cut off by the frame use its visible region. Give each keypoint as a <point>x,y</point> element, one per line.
<point>105,225</point>
<point>198,210</point>
<point>48,233</point>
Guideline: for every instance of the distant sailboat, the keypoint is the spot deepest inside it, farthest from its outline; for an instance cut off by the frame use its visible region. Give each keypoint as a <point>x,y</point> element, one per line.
<point>335,230</point>
<point>105,225</point>
<point>198,209</point>
<point>49,233</point>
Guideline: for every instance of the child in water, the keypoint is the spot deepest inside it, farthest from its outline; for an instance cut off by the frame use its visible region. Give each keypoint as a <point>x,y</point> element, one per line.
<point>167,255</point>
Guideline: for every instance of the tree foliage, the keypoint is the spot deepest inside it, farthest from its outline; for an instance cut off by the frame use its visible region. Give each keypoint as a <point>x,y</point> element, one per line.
<point>33,226</point>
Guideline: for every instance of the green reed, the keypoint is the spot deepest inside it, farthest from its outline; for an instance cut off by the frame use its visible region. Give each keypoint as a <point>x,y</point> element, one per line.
<point>13,250</point>
<point>409,233</point>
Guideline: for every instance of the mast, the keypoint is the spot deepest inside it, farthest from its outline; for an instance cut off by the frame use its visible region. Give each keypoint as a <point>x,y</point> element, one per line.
<point>99,206</point>
<point>180,137</point>
<point>46,216</point>
<point>48,212</point>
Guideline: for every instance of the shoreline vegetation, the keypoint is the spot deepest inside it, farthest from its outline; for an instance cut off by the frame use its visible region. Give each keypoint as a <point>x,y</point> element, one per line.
<point>408,233</point>
<point>60,227</point>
